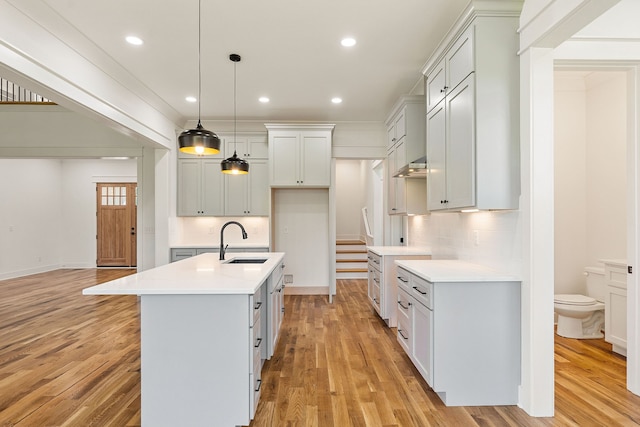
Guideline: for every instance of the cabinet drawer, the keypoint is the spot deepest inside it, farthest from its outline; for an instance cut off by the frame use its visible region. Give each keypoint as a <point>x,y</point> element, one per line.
<point>256,343</point>
<point>375,291</point>
<point>403,280</point>
<point>422,291</point>
<point>404,334</point>
<point>256,303</point>
<point>374,260</point>
<point>404,305</point>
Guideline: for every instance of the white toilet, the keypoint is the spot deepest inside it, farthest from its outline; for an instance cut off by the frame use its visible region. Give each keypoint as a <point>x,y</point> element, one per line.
<point>582,316</point>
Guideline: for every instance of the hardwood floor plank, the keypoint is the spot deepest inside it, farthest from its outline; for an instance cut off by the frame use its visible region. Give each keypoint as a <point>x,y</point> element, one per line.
<point>73,360</point>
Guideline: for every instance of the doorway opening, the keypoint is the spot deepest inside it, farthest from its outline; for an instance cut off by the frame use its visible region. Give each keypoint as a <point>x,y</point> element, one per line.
<point>116,213</point>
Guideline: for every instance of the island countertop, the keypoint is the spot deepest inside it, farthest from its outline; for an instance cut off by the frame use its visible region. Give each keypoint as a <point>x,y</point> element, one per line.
<point>202,274</point>
<point>399,250</point>
<point>455,271</point>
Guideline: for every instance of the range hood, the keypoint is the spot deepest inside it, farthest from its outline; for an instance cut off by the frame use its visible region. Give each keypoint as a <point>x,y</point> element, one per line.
<point>415,169</point>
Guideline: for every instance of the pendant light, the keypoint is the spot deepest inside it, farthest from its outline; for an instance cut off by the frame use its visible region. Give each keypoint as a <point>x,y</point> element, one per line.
<point>199,140</point>
<point>234,165</point>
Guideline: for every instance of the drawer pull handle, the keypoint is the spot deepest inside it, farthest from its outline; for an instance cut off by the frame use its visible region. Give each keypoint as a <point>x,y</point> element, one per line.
<point>403,306</point>
<point>419,291</point>
<point>402,335</point>
<point>259,385</point>
<point>402,280</point>
<point>257,305</point>
<point>376,280</point>
<point>258,342</point>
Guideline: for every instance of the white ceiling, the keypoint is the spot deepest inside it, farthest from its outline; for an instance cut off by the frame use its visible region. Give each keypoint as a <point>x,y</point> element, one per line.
<point>290,51</point>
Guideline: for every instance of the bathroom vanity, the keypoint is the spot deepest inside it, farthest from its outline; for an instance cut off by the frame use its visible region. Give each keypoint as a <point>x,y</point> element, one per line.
<point>205,325</point>
<point>459,323</point>
<point>615,303</point>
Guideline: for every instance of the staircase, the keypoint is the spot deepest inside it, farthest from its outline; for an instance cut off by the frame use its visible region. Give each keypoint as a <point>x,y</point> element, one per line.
<point>351,259</point>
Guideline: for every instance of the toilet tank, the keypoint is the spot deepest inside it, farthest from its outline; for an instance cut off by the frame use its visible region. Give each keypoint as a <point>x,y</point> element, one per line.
<point>595,282</point>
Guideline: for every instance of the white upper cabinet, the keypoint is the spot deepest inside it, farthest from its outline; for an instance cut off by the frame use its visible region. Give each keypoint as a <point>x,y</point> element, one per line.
<point>248,194</point>
<point>472,103</point>
<point>247,147</point>
<point>203,190</point>
<point>300,155</point>
<point>405,125</point>
<point>199,187</point>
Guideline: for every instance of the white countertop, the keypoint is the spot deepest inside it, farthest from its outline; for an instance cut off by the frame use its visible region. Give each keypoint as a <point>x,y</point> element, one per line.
<point>454,271</point>
<point>202,274</point>
<point>399,250</point>
<point>620,262</point>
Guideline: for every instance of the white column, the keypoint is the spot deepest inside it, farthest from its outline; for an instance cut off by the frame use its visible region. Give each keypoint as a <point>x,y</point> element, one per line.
<point>536,139</point>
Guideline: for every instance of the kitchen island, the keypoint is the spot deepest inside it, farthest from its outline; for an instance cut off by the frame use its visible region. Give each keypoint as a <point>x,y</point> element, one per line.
<point>203,323</point>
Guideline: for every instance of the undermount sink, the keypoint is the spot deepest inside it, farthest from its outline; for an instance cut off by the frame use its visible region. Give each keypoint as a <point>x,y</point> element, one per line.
<point>246,261</point>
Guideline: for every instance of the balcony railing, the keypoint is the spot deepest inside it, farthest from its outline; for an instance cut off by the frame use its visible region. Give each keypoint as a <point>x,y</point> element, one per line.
<point>11,93</point>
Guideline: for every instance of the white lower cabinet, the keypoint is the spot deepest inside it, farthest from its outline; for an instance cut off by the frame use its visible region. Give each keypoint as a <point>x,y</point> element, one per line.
<point>615,301</point>
<point>463,337</point>
<point>382,287</point>
<point>202,356</point>
<point>276,308</point>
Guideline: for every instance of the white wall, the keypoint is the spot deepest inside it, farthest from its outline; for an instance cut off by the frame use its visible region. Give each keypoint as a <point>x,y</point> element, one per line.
<point>30,217</point>
<point>570,183</point>
<point>78,226</point>
<point>301,230</point>
<point>351,192</point>
<point>49,219</point>
<point>590,173</point>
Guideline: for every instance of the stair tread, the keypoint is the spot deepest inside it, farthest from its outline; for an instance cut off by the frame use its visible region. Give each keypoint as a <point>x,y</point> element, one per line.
<point>351,260</point>
<point>351,270</point>
<point>351,251</point>
<point>350,242</point>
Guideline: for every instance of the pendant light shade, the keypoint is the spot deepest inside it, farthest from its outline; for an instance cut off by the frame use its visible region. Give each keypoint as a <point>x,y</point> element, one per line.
<point>199,140</point>
<point>234,165</point>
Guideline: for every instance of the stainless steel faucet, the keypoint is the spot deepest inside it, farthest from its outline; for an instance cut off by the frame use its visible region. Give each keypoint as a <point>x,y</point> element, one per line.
<point>223,248</point>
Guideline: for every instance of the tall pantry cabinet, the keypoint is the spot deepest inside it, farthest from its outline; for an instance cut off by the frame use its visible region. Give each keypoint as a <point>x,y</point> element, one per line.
<point>472,103</point>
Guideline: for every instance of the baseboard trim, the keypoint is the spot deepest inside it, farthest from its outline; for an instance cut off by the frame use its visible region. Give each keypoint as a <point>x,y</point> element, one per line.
<point>28,272</point>
<point>306,290</point>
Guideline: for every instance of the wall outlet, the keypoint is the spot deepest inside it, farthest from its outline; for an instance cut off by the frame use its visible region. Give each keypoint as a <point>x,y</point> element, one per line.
<point>476,237</point>
<point>11,228</point>
<point>288,278</point>
<point>285,230</point>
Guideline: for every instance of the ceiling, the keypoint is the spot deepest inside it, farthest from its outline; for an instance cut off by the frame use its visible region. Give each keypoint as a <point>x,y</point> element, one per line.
<point>290,50</point>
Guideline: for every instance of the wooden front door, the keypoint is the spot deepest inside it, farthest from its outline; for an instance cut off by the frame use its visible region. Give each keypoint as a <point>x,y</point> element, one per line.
<point>116,212</point>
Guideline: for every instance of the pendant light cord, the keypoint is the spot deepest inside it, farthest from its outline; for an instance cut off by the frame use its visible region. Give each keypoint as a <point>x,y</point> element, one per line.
<point>235,111</point>
<point>199,60</point>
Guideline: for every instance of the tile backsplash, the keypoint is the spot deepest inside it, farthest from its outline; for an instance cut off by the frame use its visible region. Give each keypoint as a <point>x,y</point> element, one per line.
<point>493,239</point>
<point>199,231</point>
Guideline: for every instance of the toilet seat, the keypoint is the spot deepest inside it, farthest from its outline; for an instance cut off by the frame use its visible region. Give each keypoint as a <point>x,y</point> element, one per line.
<point>574,299</point>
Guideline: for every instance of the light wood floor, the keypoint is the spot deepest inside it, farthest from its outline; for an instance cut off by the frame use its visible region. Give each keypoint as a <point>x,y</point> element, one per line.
<point>73,360</point>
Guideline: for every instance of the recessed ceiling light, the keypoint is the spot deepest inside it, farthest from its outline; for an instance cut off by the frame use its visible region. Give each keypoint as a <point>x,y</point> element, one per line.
<point>336,100</point>
<point>348,42</point>
<point>136,41</point>
<point>191,99</point>
<point>263,99</point>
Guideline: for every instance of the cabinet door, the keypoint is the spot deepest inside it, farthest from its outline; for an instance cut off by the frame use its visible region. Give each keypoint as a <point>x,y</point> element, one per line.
<point>436,149</point>
<point>239,145</point>
<point>189,190</point>
<point>212,188</point>
<point>284,159</point>
<point>460,59</point>
<point>258,188</point>
<point>391,136</point>
<point>400,124</point>
<point>235,193</point>
<point>435,86</point>
<point>316,160</point>
<point>400,189</point>
<point>391,183</point>
<point>257,147</point>
<point>460,154</point>
<point>422,345</point>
